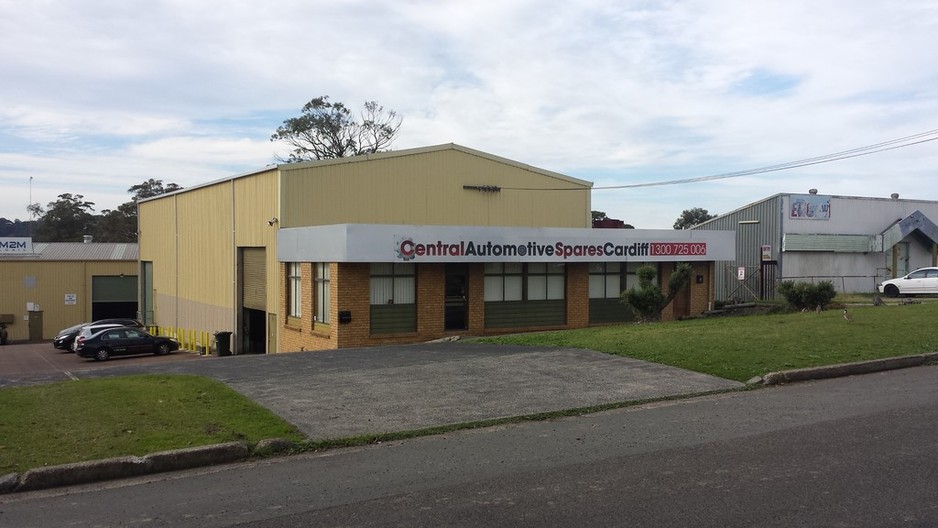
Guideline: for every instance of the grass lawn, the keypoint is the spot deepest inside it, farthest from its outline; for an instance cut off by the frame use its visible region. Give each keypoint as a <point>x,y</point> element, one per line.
<point>58,423</point>
<point>739,348</point>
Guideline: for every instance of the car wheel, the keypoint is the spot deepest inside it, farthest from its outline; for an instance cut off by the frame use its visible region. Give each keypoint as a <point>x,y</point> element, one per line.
<point>163,349</point>
<point>102,354</point>
<point>891,290</point>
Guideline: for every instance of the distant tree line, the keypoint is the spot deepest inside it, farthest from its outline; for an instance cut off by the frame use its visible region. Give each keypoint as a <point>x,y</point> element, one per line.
<point>71,217</point>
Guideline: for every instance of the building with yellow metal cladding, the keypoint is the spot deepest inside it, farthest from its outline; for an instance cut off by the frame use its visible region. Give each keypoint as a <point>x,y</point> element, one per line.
<point>397,247</point>
<point>48,286</point>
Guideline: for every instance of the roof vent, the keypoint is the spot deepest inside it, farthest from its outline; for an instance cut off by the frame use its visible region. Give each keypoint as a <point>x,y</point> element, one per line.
<point>812,191</point>
<point>894,196</point>
<point>88,239</point>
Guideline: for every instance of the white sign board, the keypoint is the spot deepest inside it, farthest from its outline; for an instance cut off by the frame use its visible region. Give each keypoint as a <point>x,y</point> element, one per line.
<point>71,299</point>
<point>16,245</point>
<point>741,273</point>
<point>412,243</point>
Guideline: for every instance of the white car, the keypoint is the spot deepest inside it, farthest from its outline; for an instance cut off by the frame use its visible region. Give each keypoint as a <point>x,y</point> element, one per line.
<point>920,281</point>
<point>88,331</point>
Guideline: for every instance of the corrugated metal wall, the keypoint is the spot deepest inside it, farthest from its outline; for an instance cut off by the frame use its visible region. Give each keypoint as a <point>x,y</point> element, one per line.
<point>761,225</point>
<point>191,238</point>
<point>426,188</point>
<point>47,283</point>
<point>256,205</point>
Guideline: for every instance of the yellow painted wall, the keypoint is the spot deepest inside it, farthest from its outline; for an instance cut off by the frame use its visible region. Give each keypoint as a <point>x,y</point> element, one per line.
<point>425,187</point>
<point>157,241</point>
<point>46,283</point>
<point>190,237</point>
<point>256,203</point>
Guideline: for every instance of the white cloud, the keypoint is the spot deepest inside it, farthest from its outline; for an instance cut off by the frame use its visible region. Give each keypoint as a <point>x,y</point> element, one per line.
<point>110,93</point>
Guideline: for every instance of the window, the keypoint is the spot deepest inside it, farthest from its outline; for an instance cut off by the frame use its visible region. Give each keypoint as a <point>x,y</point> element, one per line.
<point>605,280</point>
<point>322,292</point>
<point>514,281</point>
<point>294,290</point>
<point>393,284</point>
<point>393,298</point>
<point>504,281</point>
<point>609,279</point>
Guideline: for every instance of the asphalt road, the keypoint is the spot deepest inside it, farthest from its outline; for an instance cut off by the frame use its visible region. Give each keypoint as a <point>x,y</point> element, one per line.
<point>856,451</point>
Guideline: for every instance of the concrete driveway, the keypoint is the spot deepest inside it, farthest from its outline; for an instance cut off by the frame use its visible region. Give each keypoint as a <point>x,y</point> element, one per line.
<point>351,392</point>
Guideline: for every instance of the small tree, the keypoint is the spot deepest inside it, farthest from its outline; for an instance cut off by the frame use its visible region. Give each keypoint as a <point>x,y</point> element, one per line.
<point>691,217</point>
<point>327,130</point>
<point>647,301</point>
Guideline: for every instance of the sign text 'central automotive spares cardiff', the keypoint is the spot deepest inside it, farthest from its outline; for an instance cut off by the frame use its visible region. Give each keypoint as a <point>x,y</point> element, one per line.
<point>407,249</point>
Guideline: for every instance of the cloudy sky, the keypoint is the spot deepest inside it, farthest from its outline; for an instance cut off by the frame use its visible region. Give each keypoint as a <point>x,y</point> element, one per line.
<point>99,95</point>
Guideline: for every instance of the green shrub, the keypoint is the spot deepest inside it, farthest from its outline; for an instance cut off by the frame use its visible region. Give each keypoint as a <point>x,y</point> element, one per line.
<point>647,301</point>
<point>806,295</point>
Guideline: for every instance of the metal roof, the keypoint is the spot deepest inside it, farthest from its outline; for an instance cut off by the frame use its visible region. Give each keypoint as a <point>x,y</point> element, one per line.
<point>78,251</point>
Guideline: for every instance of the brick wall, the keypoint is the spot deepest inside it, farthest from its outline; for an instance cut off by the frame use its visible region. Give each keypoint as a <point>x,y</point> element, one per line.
<point>431,300</point>
<point>701,294</point>
<point>476,299</point>
<point>578,290</point>
<point>304,333</point>
<point>350,290</point>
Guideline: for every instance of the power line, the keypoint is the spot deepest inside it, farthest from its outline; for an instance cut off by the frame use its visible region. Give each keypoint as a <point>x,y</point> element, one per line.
<point>893,144</point>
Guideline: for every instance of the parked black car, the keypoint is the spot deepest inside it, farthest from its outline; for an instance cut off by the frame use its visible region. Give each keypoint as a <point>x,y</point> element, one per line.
<point>67,336</point>
<point>124,341</point>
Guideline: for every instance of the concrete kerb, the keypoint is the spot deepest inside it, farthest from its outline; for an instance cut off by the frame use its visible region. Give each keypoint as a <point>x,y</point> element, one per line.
<point>131,466</point>
<point>843,369</point>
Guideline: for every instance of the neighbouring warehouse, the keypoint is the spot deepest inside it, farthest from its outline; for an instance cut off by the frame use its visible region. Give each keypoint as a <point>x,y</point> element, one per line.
<point>854,242</point>
<point>48,286</point>
<point>398,247</point>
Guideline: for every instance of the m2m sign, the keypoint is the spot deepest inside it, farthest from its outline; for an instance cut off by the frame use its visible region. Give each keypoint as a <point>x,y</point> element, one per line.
<point>16,245</point>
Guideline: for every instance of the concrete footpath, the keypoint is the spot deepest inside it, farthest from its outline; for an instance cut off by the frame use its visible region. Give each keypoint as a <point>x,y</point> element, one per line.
<point>347,393</point>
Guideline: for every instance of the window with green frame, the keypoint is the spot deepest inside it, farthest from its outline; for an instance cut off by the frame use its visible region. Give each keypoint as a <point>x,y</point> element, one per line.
<point>516,281</point>
<point>321,285</point>
<point>393,298</point>
<point>294,290</point>
<point>609,279</point>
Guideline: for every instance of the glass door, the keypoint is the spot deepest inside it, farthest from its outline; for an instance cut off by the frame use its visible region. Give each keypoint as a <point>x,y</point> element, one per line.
<point>456,315</point>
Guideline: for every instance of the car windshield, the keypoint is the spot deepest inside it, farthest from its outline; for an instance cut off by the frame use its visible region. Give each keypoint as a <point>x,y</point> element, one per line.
<point>73,328</point>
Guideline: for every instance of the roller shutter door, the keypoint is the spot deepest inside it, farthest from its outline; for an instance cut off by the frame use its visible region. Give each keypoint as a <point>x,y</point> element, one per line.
<point>254,278</point>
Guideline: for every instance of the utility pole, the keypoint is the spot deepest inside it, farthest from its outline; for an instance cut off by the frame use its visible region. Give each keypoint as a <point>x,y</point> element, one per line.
<point>29,207</point>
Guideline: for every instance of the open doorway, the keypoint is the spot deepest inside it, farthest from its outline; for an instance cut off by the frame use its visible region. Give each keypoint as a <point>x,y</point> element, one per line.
<point>252,279</point>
